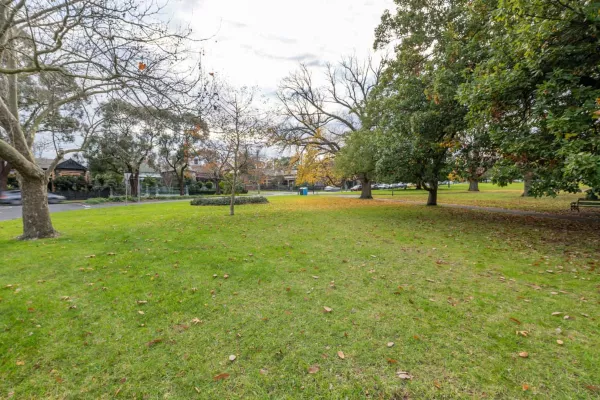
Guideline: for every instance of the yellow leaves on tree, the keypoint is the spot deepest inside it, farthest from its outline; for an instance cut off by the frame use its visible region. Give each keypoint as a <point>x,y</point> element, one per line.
<point>313,166</point>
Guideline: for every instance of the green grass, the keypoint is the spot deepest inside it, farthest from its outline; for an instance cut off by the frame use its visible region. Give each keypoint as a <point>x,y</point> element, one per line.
<point>449,287</point>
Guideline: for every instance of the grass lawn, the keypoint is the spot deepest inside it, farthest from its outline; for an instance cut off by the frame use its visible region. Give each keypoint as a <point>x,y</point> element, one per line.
<point>124,304</point>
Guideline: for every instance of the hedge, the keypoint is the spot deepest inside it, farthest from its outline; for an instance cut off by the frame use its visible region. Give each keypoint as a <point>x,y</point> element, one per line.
<point>225,201</point>
<point>121,199</point>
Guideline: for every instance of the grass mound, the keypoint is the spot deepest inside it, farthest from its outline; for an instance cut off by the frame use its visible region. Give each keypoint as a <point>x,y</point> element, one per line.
<point>225,201</point>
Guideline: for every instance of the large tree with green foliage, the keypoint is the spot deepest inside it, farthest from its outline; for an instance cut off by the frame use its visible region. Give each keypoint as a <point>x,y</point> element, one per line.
<point>537,91</point>
<point>415,104</point>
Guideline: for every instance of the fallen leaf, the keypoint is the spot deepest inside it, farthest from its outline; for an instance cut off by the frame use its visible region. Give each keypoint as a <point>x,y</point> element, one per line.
<point>225,276</point>
<point>555,313</point>
<point>313,369</point>
<point>263,371</point>
<point>516,321</point>
<point>327,309</point>
<point>91,256</point>
<point>341,354</point>
<point>196,321</point>
<point>140,312</point>
<point>390,344</point>
<point>391,361</point>
<point>568,317</point>
<point>19,362</point>
<point>315,277</point>
<point>142,302</point>
<point>523,354</point>
<point>220,377</point>
<point>404,375</point>
<point>593,388</point>
<point>111,254</point>
<point>154,342</point>
<point>437,384</point>
<point>525,387</point>
<point>560,342</point>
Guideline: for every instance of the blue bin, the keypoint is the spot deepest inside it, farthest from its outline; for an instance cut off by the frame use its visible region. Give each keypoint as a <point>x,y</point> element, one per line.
<point>303,191</point>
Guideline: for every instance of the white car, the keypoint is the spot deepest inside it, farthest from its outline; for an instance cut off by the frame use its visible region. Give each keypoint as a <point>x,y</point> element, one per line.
<point>332,189</point>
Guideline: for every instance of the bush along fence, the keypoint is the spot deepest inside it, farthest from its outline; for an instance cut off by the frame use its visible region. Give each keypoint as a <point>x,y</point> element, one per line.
<point>225,201</point>
<point>83,195</point>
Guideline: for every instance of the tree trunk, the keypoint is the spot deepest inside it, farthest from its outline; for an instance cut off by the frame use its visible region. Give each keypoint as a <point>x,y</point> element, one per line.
<point>433,192</point>
<point>527,181</point>
<point>36,214</point>
<point>473,185</point>
<point>232,202</point>
<point>366,188</point>
<point>217,187</point>
<point>4,171</point>
<point>133,183</point>
<point>181,185</point>
<point>419,186</point>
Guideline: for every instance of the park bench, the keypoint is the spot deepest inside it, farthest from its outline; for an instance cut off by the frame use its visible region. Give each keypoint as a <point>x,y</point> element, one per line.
<point>584,203</point>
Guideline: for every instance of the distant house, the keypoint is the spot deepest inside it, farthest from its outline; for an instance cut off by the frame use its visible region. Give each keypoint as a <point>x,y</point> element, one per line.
<point>147,171</point>
<point>65,168</point>
<point>204,172</point>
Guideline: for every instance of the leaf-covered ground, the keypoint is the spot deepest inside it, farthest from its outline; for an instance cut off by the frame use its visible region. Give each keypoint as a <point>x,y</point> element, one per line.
<point>493,196</point>
<point>318,297</point>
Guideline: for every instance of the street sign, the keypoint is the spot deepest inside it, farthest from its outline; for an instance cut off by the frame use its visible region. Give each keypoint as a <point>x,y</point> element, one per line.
<point>127,175</point>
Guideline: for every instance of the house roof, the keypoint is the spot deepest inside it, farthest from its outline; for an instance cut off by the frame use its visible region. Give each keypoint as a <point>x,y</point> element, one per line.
<point>70,165</point>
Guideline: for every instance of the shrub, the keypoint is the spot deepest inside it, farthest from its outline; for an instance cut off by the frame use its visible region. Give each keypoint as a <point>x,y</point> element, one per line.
<point>208,185</point>
<point>76,183</point>
<point>239,188</point>
<point>225,201</point>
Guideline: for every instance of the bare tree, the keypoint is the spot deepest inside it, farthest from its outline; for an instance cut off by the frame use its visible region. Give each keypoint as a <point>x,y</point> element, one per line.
<point>320,117</point>
<point>239,123</point>
<point>88,48</point>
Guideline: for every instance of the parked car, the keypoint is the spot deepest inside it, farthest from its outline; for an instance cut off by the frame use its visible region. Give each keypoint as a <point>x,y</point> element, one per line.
<point>398,185</point>
<point>356,188</point>
<point>14,197</point>
<point>332,189</point>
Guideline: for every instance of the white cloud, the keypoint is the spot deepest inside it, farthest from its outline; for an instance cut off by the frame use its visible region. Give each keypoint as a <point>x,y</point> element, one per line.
<point>258,42</point>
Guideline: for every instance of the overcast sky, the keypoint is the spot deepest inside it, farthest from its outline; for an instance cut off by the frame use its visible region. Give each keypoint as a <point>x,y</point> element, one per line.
<point>258,42</point>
